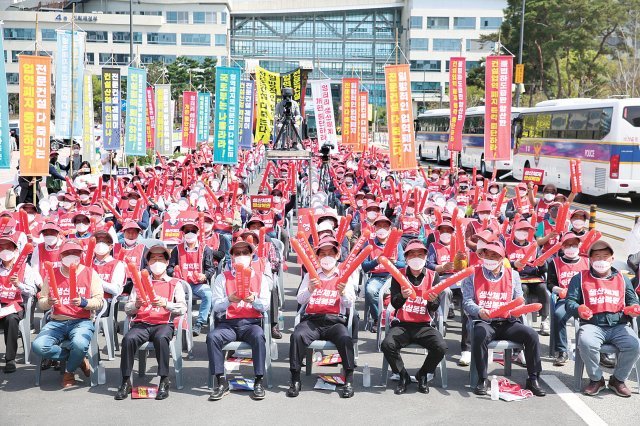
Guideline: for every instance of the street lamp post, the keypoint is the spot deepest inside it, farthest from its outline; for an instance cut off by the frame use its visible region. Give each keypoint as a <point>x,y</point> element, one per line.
<point>131,31</point>
<point>518,92</point>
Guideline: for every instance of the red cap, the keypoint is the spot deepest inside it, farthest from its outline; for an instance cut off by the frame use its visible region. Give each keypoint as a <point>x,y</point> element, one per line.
<point>69,245</point>
<point>580,211</point>
<point>494,246</point>
<point>445,223</point>
<point>569,236</point>
<point>484,206</point>
<point>522,224</point>
<point>12,238</point>
<point>327,241</point>
<point>96,209</point>
<point>50,226</point>
<point>414,245</point>
<point>381,218</point>
<point>130,224</point>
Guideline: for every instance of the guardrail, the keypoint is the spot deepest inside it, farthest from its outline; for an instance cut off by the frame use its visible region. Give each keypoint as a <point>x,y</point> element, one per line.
<point>594,208</point>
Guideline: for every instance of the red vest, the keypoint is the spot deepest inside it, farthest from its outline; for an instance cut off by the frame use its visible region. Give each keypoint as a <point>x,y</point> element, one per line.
<point>492,294</point>
<point>212,241</point>
<point>325,298</point>
<point>462,200</point>
<point>515,252</point>
<point>243,309</point>
<point>474,259</point>
<point>415,310</point>
<point>541,209</point>
<point>64,306</point>
<point>377,252</point>
<point>150,314</point>
<point>566,271</point>
<point>45,255</point>
<point>443,254</point>
<point>64,221</point>
<point>105,271</point>
<point>133,254</point>
<point>219,223</point>
<point>171,231</point>
<point>410,225</point>
<point>547,230</point>
<point>601,295</point>
<point>526,206</point>
<point>9,293</point>
<point>268,219</point>
<point>190,263</point>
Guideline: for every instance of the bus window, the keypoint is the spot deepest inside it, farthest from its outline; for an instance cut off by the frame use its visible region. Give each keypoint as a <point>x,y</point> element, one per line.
<point>577,126</point>
<point>632,115</point>
<point>529,126</point>
<point>605,121</point>
<point>558,124</point>
<point>543,125</point>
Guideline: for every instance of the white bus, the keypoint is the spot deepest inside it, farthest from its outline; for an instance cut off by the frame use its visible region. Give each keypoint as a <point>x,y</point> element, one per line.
<point>603,134</point>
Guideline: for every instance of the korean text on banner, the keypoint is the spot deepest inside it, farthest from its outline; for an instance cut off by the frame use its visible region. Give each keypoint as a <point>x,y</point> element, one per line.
<point>111,108</point>
<point>225,147</point>
<point>136,128</point>
<point>246,113</point>
<point>268,89</point>
<point>88,137</point>
<point>64,59</point>
<point>5,136</point>
<point>261,202</point>
<point>402,148</point>
<point>164,127</point>
<point>151,118</point>
<point>204,116</point>
<point>35,113</point>
<point>457,102</point>
<point>323,109</point>
<point>297,80</point>
<point>189,106</point>
<point>497,115</point>
<point>363,122</point>
<point>350,90</point>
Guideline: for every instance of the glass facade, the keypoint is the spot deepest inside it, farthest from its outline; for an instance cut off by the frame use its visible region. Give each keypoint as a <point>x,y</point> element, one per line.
<point>338,44</point>
<point>447,44</point>
<point>195,39</point>
<point>19,34</point>
<point>438,23</point>
<point>161,38</point>
<point>123,37</point>
<point>464,23</point>
<point>429,66</point>
<point>177,17</point>
<point>98,36</point>
<point>490,23</point>
<point>114,59</point>
<point>415,22</point>
<point>419,44</point>
<point>165,59</point>
<point>204,17</point>
<point>49,35</point>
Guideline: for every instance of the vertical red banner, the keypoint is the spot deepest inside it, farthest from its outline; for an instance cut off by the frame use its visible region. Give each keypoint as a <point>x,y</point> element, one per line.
<point>402,147</point>
<point>497,115</point>
<point>457,101</point>
<point>151,118</point>
<point>189,110</point>
<point>350,90</point>
<point>363,121</point>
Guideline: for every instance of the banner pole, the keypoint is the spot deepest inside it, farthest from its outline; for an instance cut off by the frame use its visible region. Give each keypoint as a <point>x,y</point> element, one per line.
<point>73,30</point>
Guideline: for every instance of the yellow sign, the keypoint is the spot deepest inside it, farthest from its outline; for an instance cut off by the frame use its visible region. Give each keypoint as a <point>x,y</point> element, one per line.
<point>519,77</point>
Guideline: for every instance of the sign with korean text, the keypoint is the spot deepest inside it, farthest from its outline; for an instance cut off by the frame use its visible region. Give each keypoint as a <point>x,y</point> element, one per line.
<point>111,108</point>
<point>189,117</point>
<point>363,122</point>
<point>204,116</point>
<point>65,97</point>
<point>227,115</point>
<point>497,115</point>
<point>457,102</point>
<point>136,123</point>
<point>533,175</point>
<point>5,135</point>
<point>350,91</point>
<point>35,113</point>
<point>268,89</point>
<point>261,202</point>
<point>297,80</point>
<point>246,113</point>
<point>323,109</point>
<point>151,118</point>
<point>402,148</point>
<point>519,77</point>
<point>164,127</point>
<point>88,137</point>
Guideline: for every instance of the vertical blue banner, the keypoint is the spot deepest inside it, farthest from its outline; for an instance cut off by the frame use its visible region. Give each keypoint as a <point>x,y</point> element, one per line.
<point>225,147</point>
<point>64,85</point>
<point>246,113</point>
<point>135,141</point>
<point>111,108</point>
<point>204,116</point>
<point>5,136</point>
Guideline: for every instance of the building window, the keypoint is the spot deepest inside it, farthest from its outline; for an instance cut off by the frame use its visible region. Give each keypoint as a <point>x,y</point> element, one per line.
<point>223,18</point>
<point>16,53</point>
<point>221,39</point>
<point>19,34</point>
<point>195,39</point>
<point>490,23</point>
<point>464,23</point>
<point>358,50</point>
<point>438,23</point>
<point>201,58</point>
<point>114,59</point>
<point>49,35</point>
<point>419,44</point>
<point>416,22</point>
<point>163,59</point>
<point>150,13</point>
<point>478,46</point>
<point>123,37</point>
<point>425,87</point>
<point>13,78</point>
<point>447,44</point>
<point>204,17</point>
<point>429,66</point>
<point>98,36</point>
<point>5,57</point>
<point>161,38</point>
<point>470,65</point>
<point>177,17</point>
<point>90,58</point>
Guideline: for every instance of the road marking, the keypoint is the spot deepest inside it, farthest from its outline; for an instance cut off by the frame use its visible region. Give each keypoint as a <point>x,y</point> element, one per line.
<point>573,401</point>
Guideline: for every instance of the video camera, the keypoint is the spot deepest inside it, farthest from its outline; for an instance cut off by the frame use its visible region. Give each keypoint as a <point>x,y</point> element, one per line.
<point>287,101</point>
<point>325,151</point>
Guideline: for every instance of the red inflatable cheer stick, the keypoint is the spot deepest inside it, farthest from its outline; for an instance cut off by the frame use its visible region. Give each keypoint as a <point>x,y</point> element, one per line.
<point>530,253</point>
<point>561,218</point>
<point>503,311</point>
<point>453,279</point>
<point>343,227</point>
<point>70,187</point>
<point>591,237</point>
<point>137,282</point>
<point>395,273</point>
<point>22,259</point>
<point>584,312</point>
<point>525,309</point>
<point>97,193</point>
<point>356,249</point>
<point>147,285</point>
<point>53,286</point>
<point>633,310</point>
<point>262,242</point>
<point>498,207</point>
<point>353,265</point>
<point>306,247</point>
<point>313,228</point>
<point>304,259</point>
<point>113,211</point>
<point>88,255</point>
<point>73,285</point>
<point>547,254</point>
<point>392,242</point>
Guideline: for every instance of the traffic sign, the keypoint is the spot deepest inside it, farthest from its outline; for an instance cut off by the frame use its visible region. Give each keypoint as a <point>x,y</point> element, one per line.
<point>519,77</point>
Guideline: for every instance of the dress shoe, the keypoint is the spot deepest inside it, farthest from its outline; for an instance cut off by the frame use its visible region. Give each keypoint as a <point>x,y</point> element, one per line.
<point>219,391</point>
<point>10,367</point>
<point>404,381</point>
<point>619,387</point>
<point>276,333</point>
<point>594,387</point>
<point>535,387</point>
<point>68,380</point>
<point>561,359</point>
<point>294,388</point>
<point>163,389</point>
<point>481,387</point>
<point>258,390</point>
<point>423,383</point>
<point>123,391</point>
<point>347,390</point>
<point>85,367</point>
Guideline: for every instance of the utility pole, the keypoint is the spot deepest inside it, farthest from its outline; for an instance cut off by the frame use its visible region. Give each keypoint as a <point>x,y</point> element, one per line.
<point>131,31</point>
<point>518,94</point>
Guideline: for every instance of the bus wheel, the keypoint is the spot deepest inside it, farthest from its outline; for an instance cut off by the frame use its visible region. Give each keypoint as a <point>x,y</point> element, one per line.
<point>483,168</point>
<point>420,156</point>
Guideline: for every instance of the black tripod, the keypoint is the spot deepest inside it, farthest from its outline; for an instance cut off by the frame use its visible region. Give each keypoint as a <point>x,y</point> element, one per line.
<point>291,135</point>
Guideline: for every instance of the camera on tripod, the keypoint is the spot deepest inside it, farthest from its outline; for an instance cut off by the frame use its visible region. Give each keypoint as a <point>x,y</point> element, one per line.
<point>325,151</point>
<point>287,101</point>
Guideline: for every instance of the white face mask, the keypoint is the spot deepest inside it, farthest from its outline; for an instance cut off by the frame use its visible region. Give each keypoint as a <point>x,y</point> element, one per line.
<point>31,217</point>
<point>382,233</point>
<point>417,263</point>
<point>522,192</point>
<point>102,249</point>
<point>215,185</point>
<point>83,197</point>
<point>328,263</point>
<point>70,260</point>
<point>522,235</point>
<point>66,206</point>
<point>491,265</point>
<point>410,211</point>
<point>445,238</point>
<point>571,252</point>
<point>81,227</point>
<point>208,227</point>
<point>7,255</point>
<point>242,260</point>
<point>601,266</point>
<point>360,203</point>
<point>191,237</point>
<point>493,191</point>
<point>549,197</point>
<point>158,268</point>
<point>277,199</point>
<point>482,217</point>
<point>372,215</point>
<point>50,240</point>
<point>133,202</point>
<point>130,242</point>
<point>76,151</point>
<point>440,202</point>
<point>578,224</point>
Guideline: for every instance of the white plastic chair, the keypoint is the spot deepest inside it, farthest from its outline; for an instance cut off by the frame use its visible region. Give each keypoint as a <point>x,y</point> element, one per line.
<point>280,247</point>
<point>108,324</point>
<point>25,330</point>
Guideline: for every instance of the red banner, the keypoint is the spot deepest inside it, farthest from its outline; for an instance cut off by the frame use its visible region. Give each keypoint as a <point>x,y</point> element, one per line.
<point>350,90</point>
<point>189,111</point>
<point>402,147</point>
<point>497,114</point>
<point>457,101</point>
<point>151,118</point>
<point>363,122</point>
<point>533,175</point>
<point>261,202</point>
